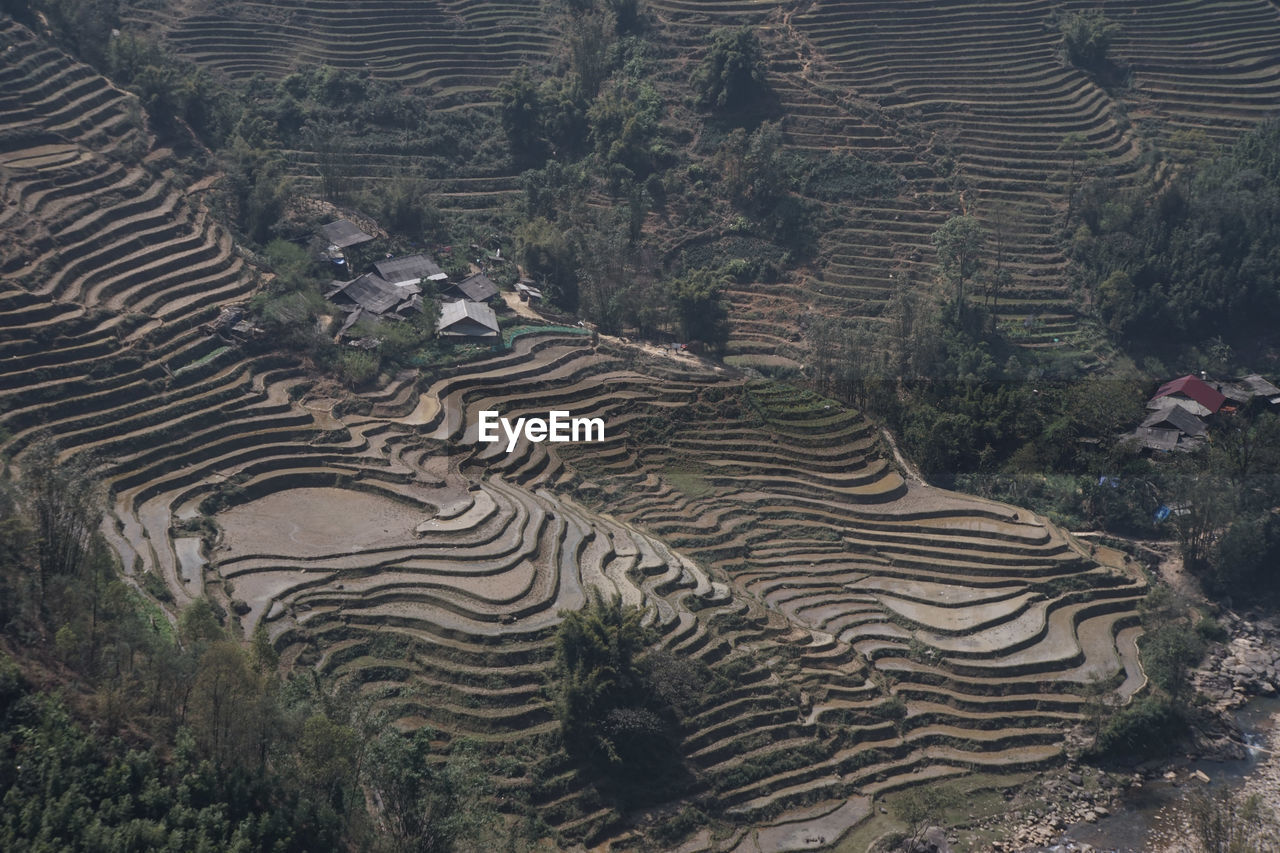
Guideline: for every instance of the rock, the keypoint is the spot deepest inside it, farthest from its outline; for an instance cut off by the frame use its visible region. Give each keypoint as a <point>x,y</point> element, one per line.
<point>1075,778</point>
<point>1102,811</point>
<point>1202,776</point>
<point>240,606</point>
<point>935,840</point>
<point>1091,817</point>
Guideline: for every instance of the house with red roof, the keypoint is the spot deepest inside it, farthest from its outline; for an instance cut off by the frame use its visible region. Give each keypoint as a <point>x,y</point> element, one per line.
<point>1190,392</point>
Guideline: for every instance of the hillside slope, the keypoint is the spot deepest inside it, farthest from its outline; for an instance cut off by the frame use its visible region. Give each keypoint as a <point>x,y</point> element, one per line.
<point>881,632</point>
<point>973,103</point>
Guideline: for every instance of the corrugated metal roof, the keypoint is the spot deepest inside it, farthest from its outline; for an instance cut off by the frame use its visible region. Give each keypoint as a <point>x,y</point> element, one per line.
<point>412,268</point>
<point>1196,389</point>
<point>477,288</point>
<point>466,318</point>
<point>343,233</point>
<point>372,293</point>
<point>1178,418</point>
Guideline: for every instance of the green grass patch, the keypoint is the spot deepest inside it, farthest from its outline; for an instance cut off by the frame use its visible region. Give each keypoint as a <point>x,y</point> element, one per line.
<point>200,361</point>
<point>688,478</point>
<point>862,836</point>
<point>152,613</point>
<point>509,335</point>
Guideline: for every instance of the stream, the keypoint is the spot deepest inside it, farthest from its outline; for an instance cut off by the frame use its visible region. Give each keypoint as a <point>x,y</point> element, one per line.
<point>1151,815</point>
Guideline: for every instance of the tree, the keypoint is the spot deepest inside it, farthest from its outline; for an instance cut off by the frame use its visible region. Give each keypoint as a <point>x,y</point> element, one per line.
<point>224,701</point>
<point>624,120</point>
<point>1001,232</point>
<point>520,110</point>
<point>699,308</point>
<point>611,713</point>
<point>755,174</point>
<point>334,162</point>
<point>426,805</point>
<point>1082,162</point>
<point>921,807</point>
<point>589,35</point>
<point>547,254</point>
<point>959,242</point>
<point>733,76</point>
<point>1248,451</point>
<point>596,651</point>
<point>1087,36</point>
<point>404,206</point>
<point>1227,822</point>
<point>198,626</point>
<point>1203,503</point>
<point>66,503</point>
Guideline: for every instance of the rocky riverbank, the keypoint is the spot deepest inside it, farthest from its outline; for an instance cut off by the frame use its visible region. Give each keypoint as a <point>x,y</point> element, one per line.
<point>1248,665</point>
<point>1079,795</point>
<point>1264,827</point>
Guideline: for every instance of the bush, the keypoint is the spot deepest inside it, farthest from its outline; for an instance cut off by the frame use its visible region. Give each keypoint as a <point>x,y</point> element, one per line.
<point>1087,37</point>
<point>155,587</point>
<point>1149,727</point>
<point>612,713</point>
<point>356,367</point>
<point>733,75</point>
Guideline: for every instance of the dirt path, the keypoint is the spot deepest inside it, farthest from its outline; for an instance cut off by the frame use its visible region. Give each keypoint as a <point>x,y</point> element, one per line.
<point>1169,569</point>
<point>908,470</point>
<point>521,308</point>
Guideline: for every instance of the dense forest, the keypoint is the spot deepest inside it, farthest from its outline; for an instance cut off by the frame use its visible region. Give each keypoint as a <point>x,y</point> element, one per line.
<point>195,742</point>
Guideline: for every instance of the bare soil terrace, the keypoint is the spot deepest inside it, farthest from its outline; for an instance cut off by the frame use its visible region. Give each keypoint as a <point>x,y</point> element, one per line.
<point>311,522</point>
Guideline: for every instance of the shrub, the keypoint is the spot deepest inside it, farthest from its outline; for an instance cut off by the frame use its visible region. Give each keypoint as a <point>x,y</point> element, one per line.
<point>733,76</point>
<point>356,367</point>
<point>1149,727</point>
<point>1087,37</point>
<point>155,587</point>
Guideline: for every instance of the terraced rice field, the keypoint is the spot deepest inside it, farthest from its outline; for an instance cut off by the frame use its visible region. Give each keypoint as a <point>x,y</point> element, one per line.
<point>444,44</point>
<point>970,101</point>
<point>974,103</point>
<point>878,633</point>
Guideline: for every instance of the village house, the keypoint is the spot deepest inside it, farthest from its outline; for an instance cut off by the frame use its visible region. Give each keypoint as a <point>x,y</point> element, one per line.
<point>343,233</point>
<point>465,319</point>
<point>527,292</point>
<point>475,288</point>
<point>1191,393</point>
<point>1180,407</point>
<point>410,269</point>
<point>373,297</point>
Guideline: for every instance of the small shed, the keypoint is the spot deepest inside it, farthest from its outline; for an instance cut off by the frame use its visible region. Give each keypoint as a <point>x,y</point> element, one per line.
<point>343,233</point>
<point>474,288</point>
<point>466,319</point>
<point>1164,440</point>
<point>528,293</point>
<point>1260,387</point>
